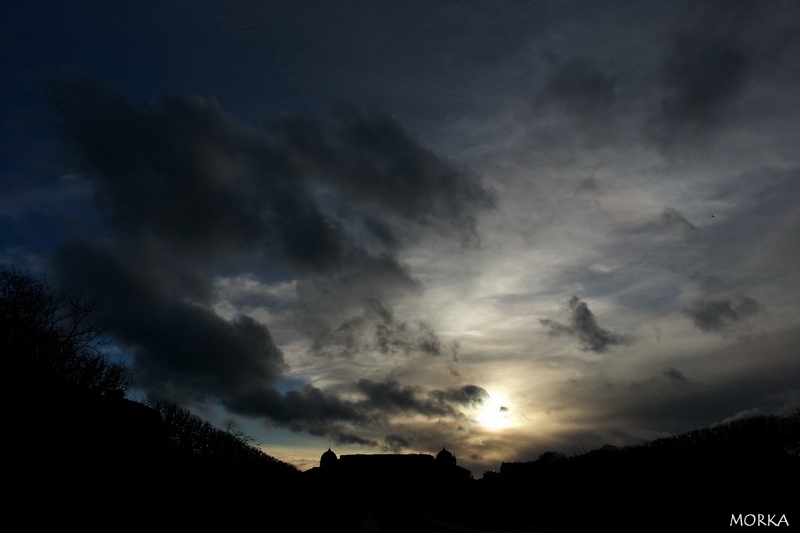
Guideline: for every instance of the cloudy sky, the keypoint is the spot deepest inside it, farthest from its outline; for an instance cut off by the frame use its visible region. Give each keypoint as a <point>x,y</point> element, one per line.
<point>502,227</point>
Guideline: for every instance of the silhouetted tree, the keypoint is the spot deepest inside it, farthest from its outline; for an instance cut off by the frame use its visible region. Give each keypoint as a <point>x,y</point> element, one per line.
<point>550,457</point>
<point>190,437</point>
<point>53,337</point>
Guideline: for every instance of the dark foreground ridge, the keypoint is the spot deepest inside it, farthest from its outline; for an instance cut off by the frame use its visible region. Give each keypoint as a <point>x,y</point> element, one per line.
<point>694,481</point>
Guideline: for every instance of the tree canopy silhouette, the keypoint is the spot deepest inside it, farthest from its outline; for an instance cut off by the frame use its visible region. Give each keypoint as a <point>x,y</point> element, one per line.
<point>53,337</point>
<point>192,438</point>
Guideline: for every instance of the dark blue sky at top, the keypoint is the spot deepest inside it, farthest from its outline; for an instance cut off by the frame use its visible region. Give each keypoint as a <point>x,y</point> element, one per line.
<point>260,59</point>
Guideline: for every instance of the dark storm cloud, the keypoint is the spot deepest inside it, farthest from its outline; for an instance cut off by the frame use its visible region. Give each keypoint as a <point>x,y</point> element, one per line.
<point>189,193</point>
<point>719,314</point>
<point>466,395</point>
<point>154,168</point>
<point>318,412</point>
<point>176,343</point>
<point>186,175</point>
<point>368,157</point>
<point>376,330</point>
<point>389,396</point>
<point>583,326</point>
<point>699,79</point>
<point>306,409</point>
<point>350,438</point>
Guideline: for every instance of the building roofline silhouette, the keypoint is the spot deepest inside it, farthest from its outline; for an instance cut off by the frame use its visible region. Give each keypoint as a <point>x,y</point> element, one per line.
<point>378,478</point>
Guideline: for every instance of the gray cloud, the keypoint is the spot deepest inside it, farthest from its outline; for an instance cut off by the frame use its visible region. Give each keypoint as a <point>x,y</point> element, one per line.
<point>581,88</point>
<point>673,219</point>
<point>661,403</point>
<point>675,375</point>
<point>376,330</point>
<point>396,443</point>
<point>701,75</point>
<point>719,314</point>
<point>583,326</point>
<point>742,415</point>
<point>669,379</point>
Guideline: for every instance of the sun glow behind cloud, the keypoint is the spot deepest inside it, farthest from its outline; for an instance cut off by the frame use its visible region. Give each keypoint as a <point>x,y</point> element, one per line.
<point>494,414</point>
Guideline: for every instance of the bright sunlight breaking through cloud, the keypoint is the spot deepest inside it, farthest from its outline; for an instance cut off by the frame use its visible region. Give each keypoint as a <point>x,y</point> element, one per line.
<point>494,414</point>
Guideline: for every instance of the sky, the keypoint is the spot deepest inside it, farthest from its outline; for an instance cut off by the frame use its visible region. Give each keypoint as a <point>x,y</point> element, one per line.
<point>387,227</point>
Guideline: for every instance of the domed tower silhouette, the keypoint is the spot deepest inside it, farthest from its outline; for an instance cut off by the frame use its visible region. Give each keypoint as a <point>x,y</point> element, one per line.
<point>328,459</point>
<point>445,458</point>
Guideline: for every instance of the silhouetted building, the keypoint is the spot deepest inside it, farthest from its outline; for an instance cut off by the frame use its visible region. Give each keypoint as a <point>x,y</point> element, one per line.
<point>376,478</point>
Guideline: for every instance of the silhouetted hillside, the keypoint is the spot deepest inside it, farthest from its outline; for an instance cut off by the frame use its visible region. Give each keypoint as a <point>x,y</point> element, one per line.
<point>694,480</point>
<point>196,444</point>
